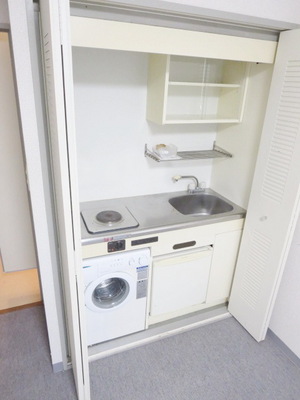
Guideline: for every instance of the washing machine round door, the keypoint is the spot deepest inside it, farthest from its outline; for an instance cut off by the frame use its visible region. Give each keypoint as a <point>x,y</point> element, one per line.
<point>108,292</point>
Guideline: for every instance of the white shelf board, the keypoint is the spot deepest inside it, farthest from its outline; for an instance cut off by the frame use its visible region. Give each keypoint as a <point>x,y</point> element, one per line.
<point>192,119</point>
<point>202,84</point>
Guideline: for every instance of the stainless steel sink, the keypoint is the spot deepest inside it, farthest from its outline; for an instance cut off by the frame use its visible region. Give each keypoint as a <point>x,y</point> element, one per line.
<point>200,204</point>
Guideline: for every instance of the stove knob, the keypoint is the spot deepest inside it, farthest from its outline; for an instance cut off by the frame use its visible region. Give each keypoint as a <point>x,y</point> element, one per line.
<point>143,260</point>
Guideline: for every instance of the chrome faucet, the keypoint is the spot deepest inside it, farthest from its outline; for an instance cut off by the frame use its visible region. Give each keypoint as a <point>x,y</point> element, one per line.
<point>197,188</point>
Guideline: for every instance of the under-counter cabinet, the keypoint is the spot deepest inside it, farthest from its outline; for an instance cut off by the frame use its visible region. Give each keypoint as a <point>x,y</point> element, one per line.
<point>192,268</point>
<point>195,90</point>
<point>179,283</point>
<point>188,281</point>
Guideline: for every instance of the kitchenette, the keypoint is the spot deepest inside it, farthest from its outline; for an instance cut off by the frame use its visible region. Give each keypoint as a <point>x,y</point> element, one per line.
<point>132,198</point>
<point>152,243</point>
<point>189,266</point>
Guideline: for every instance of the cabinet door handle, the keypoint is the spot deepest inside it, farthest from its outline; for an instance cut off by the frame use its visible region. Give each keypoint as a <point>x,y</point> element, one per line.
<point>184,245</point>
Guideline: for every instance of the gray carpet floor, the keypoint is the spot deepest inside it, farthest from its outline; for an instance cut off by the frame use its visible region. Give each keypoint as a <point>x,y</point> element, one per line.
<point>25,366</point>
<point>219,361</point>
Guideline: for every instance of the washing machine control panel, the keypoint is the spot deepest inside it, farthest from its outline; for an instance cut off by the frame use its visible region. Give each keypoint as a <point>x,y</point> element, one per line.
<point>141,288</point>
<point>142,279</point>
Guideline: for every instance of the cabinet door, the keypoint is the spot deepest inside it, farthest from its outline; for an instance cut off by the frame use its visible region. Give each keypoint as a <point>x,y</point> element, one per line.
<point>274,200</point>
<point>179,281</point>
<point>226,247</point>
<point>58,80</point>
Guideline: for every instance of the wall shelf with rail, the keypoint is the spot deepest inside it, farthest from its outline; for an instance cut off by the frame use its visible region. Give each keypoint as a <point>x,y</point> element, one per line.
<point>215,152</point>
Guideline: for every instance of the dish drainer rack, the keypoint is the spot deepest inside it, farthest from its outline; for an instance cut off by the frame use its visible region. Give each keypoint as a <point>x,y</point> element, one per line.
<point>215,152</point>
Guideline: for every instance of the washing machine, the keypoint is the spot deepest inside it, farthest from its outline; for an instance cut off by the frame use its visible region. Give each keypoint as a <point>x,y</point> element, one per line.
<point>116,288</point>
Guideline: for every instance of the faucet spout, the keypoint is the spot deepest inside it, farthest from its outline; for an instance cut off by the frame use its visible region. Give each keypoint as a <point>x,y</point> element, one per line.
<point>198,188</point>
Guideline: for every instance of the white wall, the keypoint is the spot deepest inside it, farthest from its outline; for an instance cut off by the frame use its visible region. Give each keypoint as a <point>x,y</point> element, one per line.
<point>111,125</point>
<point>16,230</point>
<point>278,10</point>
<point>233,177</point>
<point>285,322</point>
<point>4,14</point>
<point>281,14</point>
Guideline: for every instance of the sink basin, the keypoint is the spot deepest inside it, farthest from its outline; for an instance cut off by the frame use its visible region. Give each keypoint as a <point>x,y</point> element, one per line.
<point>200,204</point>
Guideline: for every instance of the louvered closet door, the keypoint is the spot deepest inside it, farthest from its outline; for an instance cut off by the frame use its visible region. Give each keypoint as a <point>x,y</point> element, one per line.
<point>274,201</point>
<point>59,84</point>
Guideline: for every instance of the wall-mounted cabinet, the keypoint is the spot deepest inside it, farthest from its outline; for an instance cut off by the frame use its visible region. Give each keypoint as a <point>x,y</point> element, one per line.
<point>193,90</point>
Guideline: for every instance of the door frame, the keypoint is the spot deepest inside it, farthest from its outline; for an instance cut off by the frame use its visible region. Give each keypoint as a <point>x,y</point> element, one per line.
<point>23,31</point>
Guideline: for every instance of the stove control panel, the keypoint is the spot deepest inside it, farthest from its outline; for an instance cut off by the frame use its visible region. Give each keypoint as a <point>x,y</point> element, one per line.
<point>116,245</point>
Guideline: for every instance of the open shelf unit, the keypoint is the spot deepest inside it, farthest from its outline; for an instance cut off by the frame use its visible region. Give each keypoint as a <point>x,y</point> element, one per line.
<point>215,152</point>
<point>189,90</point>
